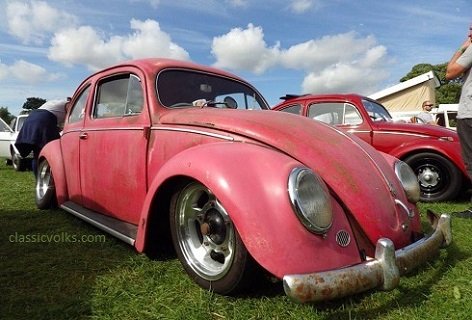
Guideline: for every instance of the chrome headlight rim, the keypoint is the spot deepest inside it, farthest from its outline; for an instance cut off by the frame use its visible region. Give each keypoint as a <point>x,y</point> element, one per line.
<point>304,214</point>
<point>408,180</point>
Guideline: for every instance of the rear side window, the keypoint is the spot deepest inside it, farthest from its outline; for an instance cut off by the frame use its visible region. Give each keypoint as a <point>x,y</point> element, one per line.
<point>118,97</point>
<point>295,109</point>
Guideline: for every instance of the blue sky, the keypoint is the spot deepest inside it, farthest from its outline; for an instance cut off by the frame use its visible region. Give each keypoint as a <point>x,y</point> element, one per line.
<point>280,46</point>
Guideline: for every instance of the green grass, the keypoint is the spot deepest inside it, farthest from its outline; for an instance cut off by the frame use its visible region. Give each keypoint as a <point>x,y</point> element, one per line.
<point>55,277</point>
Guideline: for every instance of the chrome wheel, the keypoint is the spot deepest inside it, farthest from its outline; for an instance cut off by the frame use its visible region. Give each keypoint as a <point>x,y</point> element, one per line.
<point>45,188</point>
<point>204,232</point>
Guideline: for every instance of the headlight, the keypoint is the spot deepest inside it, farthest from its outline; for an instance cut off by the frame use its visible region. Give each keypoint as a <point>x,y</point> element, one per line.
<point>408,180</point>
<point>310,200</point>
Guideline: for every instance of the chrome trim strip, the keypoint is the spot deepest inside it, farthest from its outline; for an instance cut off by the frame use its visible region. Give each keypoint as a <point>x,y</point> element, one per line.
<point>391,132</point>
<point>205,133</point>
<point>103,227</point>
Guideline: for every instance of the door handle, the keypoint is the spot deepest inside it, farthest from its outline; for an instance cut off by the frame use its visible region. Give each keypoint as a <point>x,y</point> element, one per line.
<point>83,135</point>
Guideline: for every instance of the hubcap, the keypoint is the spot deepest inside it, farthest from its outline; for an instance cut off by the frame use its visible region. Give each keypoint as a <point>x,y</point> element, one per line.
<point>428,177</point>
<point>204,232</point>
<point>43,182</point>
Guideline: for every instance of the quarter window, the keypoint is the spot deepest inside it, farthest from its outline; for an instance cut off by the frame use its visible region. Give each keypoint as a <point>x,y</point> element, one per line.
<point>78,109</point>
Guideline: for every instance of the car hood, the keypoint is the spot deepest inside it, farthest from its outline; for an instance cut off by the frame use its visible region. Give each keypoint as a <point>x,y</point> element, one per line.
<point>358,174</point>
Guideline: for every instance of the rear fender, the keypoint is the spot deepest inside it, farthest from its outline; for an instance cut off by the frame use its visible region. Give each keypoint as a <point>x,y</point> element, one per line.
<point>250,181</point>
<point>52,152</point>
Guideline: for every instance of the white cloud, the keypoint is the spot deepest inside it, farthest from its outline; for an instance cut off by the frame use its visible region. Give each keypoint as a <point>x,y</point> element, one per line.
<point>27,72</point>
<point>84,45</point>
<point>300,6</point>
<point>244,49</point>
<point>33,22</point>
<point>3,71</point>
<point>238,3</point>
<point>149,40</point>
<point>342,63</point>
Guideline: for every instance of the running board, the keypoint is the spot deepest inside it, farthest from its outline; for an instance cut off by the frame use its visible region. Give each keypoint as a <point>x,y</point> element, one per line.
<point>122,230</point>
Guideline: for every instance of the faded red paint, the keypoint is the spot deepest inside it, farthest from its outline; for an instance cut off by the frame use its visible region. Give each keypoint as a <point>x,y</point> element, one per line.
<point>116,167</point>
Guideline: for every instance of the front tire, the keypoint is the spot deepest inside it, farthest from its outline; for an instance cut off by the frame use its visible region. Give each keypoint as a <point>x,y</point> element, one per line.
<point>207,243</point>
<point>438,177</point>
<point>45,187</point>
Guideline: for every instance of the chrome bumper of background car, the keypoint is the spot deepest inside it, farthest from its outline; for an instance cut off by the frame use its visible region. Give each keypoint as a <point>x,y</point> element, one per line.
<point>383,272</point>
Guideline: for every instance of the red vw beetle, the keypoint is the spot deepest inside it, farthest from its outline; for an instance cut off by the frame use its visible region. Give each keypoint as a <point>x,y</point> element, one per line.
<point>159,151</point>
<point>433,152</point>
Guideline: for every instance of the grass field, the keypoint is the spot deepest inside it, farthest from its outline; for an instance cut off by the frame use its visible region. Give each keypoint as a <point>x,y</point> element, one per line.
<point>54,266</point>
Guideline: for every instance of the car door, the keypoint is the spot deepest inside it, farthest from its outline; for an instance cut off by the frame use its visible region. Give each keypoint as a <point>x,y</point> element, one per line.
<point>5,139</point>
<point>70,142</point>
<point>113,148</point>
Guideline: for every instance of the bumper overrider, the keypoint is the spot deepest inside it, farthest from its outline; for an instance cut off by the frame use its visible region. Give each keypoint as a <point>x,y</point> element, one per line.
<point>382,272</point>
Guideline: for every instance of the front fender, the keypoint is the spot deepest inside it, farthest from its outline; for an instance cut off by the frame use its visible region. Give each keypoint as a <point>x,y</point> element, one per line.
<point>449,149</point>
<point>52,152</point>
<point>250,181</point>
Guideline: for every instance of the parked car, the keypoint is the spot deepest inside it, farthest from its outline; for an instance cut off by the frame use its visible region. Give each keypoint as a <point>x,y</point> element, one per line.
<point>159,151</point>
<point>446,115</point>
<point>19,163</point>
<point>433,152</point>
<point>5,138</point>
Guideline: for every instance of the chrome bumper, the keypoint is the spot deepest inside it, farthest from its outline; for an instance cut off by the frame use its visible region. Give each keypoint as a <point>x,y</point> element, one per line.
<point>383,272</point>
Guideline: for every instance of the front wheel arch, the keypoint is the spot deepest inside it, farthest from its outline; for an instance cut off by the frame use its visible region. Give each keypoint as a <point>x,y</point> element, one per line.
<point>439,178</point>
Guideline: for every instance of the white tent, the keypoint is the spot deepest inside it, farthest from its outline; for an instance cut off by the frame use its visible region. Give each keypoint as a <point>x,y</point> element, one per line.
<point>408,96</point>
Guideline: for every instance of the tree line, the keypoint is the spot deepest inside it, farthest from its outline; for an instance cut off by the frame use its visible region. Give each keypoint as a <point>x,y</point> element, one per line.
<point>447,92</point>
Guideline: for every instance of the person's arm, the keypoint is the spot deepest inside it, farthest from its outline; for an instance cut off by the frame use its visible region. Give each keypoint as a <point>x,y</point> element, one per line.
<point>453,68</point>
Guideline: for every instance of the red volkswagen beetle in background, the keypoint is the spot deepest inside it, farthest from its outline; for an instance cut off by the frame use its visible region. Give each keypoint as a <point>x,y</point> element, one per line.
<point>433,152</point>
<point>160,151</point>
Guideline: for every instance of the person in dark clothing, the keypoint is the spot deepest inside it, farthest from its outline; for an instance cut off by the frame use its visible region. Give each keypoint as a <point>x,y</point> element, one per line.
<point>40,127</point>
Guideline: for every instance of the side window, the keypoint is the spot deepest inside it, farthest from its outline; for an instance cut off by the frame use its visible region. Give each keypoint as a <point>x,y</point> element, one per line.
<point>295,109</point>
<point>118,97</point>
<point>327,112</point>
<point>78,109</point>
<point>335,113</point>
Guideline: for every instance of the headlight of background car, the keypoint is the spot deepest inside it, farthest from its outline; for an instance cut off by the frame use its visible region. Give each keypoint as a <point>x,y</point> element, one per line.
<point>310,199</point>
<point>409,181</point>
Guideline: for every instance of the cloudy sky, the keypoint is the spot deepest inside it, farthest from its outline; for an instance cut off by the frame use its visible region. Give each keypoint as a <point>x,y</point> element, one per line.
<point>280,46</point>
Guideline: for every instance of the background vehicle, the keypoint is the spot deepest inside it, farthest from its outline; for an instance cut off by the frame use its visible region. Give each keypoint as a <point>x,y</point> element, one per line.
<point>433,152</point>
<point>159,152</point>
<point>19,163</point>
<point>5,137</point>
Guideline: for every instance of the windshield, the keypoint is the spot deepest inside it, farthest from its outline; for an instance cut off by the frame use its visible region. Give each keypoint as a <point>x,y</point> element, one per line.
<point>184,88</point>
<point>376,111</point>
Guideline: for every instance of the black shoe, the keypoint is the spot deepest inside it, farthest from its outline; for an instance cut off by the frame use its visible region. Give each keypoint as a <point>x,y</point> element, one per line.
<point>463,214</point>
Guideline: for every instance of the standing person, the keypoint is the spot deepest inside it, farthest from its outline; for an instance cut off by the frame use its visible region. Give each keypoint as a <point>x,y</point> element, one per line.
<point>425,115</point>
<point>460,64</point>
<point>41,126</point>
